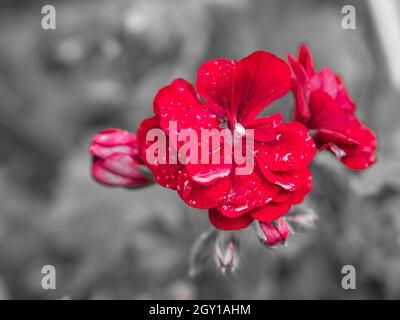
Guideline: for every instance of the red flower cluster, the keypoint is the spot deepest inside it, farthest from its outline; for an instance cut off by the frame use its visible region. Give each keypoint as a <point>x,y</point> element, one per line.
<point>323,104</point>
<point>230,95</point>
<point>234,93</point>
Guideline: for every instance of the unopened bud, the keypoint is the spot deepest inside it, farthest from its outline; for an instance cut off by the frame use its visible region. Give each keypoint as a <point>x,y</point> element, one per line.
<point>226,254</point>
<point>273,233</point>
<point>302,220</point>
<point>116,159</point>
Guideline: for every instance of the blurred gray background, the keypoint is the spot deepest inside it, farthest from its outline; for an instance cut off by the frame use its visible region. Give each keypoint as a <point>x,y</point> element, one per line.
<point>101,68</point>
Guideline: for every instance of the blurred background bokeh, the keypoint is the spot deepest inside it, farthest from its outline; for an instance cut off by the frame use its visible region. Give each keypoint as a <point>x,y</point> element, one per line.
<point>101,68</point>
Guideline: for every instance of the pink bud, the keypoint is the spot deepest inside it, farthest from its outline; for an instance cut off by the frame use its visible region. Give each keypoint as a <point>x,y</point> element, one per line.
<point>273,233</point>
<point>226,254</point>
<point>116,159</point>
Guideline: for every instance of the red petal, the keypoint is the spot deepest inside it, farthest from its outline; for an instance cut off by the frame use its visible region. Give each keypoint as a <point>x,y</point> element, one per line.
<point>214,81</point>
<point>300,89</point>
<point>306,60</point>
<point>326,114</point>
<point>258,80</point>
<point>224,223</point>
<point>302,111</point>
<point>270,211</point>
<point>340,131</point>
<point>207,174</point>
<point>325,138</point>
<point>343,98</point>
<point>165,174</point>
<point>298,73</point>
<point>166,91</point>
<point>178,102</point>
<point>296,196</point>
<point>288,180</point>
<point>200,196</point>
<point>364,156</point>
<point>264,128</point>
<point>294,148</point>
<point>247,192</point>
<point>327,81</point>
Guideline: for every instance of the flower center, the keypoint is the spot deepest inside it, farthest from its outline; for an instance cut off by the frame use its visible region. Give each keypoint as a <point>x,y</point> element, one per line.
<point>240,129</point>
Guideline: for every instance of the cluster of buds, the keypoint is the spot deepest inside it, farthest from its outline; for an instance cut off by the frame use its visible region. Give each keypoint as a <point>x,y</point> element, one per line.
<point>222,247</point>
<point>116,159</point>
<point>217,248</point>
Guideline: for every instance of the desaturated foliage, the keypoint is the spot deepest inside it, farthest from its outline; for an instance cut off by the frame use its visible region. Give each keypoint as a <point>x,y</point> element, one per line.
<point>101,68</point>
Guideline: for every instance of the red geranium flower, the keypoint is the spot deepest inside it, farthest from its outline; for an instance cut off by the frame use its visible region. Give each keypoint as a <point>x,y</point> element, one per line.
<point>323,104</point>
<point>233,94</point>
<point>116,158</point>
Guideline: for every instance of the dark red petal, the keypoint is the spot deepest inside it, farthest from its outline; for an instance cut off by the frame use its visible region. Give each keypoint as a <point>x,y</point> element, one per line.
<point>201,196</point>
<point>224,223</point>
<point>293,149</point>
<point>270,211</point>
<point>214,81</point>
<point>258,80</point>
<point>165,174</point>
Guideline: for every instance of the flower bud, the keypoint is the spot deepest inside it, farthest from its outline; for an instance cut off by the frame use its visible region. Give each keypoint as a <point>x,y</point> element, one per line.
<point>302,220</point>
<point>273,233</point>
<point>116,159</point>
<point>226,254</point>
